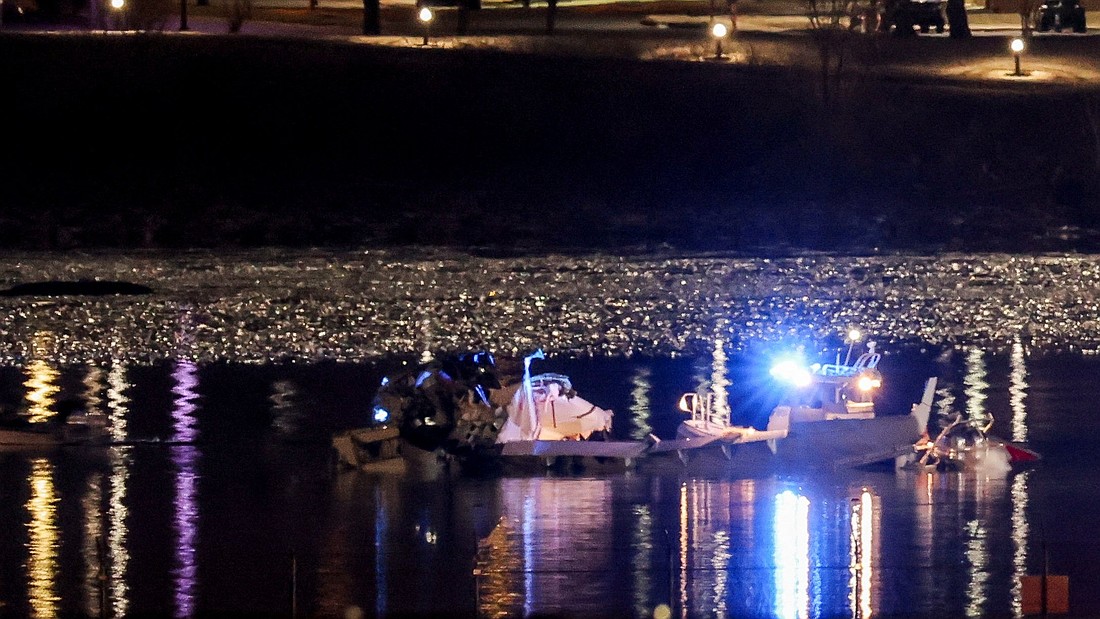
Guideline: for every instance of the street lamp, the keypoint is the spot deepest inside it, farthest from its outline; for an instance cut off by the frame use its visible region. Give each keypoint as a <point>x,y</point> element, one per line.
<point>426,16</point>
<point>1017,47</point>
<point>718,31</point>
<point>118,6</point>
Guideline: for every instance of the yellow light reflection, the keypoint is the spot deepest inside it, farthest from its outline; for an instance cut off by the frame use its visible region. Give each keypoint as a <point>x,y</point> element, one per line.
<point>1017,390</point>
<point>640,388</point>
<point>500,559</point>
<point>116,537</point>
<point>93,529</point>
<point>93,385</point>
<point>42,562</point>
<point>117,400</point>
<point>862,553</point>
<point>792,547</point>
<point>530,562</point>
<point>975,384</point>
<point>41,389</point>
<point>117,512</point>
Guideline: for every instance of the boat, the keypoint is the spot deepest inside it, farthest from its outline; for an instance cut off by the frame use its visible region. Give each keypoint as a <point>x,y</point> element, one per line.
<point>831,391</point>
<point>710,425</point>
<point>547,419</point>
<point>825,419</point>
<point>967,444</point>
<point>464,408</point>
<point>827,444</point>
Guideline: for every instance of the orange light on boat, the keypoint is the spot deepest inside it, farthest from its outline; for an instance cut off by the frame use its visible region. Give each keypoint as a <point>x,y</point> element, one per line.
<point>867,383</point>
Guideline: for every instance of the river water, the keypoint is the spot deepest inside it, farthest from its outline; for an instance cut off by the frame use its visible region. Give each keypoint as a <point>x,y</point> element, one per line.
<point>224,386</point>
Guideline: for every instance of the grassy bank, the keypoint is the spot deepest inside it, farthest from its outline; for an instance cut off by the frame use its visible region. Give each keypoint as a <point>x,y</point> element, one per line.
<point>222,141</point>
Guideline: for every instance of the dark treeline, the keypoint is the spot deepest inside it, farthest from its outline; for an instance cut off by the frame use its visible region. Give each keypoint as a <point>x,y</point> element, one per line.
<point>167,141</point>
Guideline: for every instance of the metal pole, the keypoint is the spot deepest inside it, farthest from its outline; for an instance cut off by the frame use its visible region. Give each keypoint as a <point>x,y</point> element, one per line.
<point>293,585</point>
<point>671,574</point>
<point>101,576</point>
<point>1017,64</point>
<point>183,15</point>
<point>1043,583</point>
<point>477,592</point>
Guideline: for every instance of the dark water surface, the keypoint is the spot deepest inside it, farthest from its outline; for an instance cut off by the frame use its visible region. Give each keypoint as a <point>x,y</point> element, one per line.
<point>224,386</point>
<point>222,495</point>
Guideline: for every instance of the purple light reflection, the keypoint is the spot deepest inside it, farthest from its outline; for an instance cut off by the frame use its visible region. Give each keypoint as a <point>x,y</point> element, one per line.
<point>187,379</point>
<point>185,457</point>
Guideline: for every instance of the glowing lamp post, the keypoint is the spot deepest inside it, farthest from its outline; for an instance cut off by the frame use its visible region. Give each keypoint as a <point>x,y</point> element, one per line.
<point>1017,47</point>
<point>854,335</point>
<point>118,6</point>
<point>718,31</point>
<point>426,16</point>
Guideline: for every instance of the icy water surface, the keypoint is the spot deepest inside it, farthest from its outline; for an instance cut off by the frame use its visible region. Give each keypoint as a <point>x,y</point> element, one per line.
<point>224,385</point>
<point>358,305</point>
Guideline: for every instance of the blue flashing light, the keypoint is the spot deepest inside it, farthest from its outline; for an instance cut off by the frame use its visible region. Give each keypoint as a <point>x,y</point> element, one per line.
<point>381,415</point>
<point>481,394</point>
<point>385,380</point>
<point>793,372</point>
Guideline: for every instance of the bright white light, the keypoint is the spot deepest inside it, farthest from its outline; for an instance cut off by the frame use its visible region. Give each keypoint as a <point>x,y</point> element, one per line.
<point>381,415</point>
<point>1017,45</point>
<point>792,372</point>
<point>866,383</point>
<point>854,335</point>
<point>718,30</point>
<point>425,15</point>
<point>118,4</point>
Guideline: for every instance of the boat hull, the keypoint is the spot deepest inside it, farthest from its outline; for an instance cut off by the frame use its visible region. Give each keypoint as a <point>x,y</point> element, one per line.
<point>828,446</point>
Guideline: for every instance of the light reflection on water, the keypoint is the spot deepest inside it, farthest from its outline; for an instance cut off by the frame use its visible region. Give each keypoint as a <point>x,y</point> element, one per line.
<point>40,391</point>
<point>862,554</point>
<point>90,549</point>
<point>861,545</point>
<point>118,556</point>
<point>311,305</point>
<point>792,547</point>
<point>185,457</point>
<point>1018,392</point>
<point>43,545</point>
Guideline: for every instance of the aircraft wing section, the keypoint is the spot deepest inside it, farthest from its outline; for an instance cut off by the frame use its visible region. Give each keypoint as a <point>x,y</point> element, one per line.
<point>683,443</point>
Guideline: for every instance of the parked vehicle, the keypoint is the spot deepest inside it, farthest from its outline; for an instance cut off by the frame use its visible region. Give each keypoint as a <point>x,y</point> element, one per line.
<point>907,16</point>
<point>1058,15</point>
